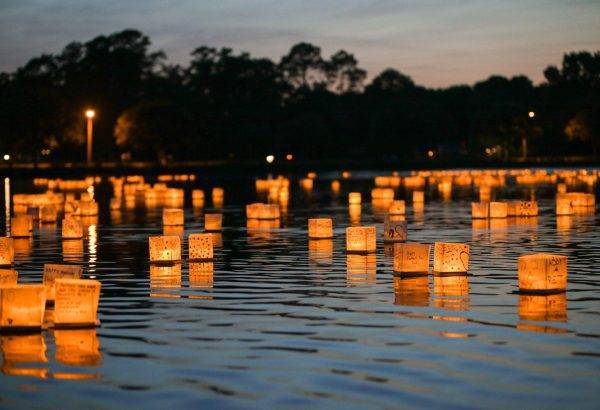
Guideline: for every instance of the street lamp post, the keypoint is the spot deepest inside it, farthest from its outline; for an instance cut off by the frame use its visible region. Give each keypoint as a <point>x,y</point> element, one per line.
<point>90,114</point>
<point>530,114</point>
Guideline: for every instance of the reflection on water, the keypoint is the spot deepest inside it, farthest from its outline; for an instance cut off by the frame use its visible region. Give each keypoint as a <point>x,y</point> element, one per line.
<point>277,318</point>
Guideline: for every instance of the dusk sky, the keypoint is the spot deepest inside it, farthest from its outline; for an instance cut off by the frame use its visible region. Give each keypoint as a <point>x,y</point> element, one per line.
<point>437,43</point>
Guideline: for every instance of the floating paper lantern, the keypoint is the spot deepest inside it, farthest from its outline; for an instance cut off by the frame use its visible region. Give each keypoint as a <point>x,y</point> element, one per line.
<point>76,302</point>
<point>77,347</point>
<point>450,257</point>
<point>201,275</point>
<point>480,210</point>
<point>22,306</point>
<point>197,198</point>
<point>395,231</point>
<point>164,249</point>
<point>72,228</point>
<point>172,217</point>
<point>7,251</point>
<point>418,197</point>
<point>543,272</point>
<point>411,257</point>
<point>217,194</point>
<point>269,211</point>
<point>311,175</point>
<point>48,214</point>
<point>8,277</point>
<point>19,227</point>
<point>411,290</point>
<point>213,222</point>
<point>200,246</point>
<point>320,228</point>
<point>382,193</point>
<point>307,184</point>
<point>335,186</point>
<point>543,307</point>
<point>361,239</point>
<point>354,198</point>
<point>56,271</point>
<point>522,208</point>
<point>397,207</point>
<point>498,209</point>
<point>564,206</point>
<point>253,210</point>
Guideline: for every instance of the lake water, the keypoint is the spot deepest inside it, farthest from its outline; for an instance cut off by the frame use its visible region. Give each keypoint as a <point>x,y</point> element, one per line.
<point>281,322</point>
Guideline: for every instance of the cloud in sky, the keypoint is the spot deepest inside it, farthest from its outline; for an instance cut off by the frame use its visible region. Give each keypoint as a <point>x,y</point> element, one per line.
<point>438,43</point>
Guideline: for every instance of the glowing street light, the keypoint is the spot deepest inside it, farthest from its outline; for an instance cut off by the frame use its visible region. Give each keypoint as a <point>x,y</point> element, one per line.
<point>531,114</point>
<point>90,114</point>
<point>270,158</point>
<point>6,157</point>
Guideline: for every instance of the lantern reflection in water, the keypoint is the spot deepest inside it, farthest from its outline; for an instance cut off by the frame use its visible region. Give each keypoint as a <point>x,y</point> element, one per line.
<point>164,249</point>
<point>56,271</point>
<point>20,349</point>
<point>320,254</point>
<point>201,275</point>
<point>77,347</point>
<point>418,197</point>
<point>354,198</point>
<point>451,292</point>
<point>320,228</point>
<point>480,210</point>
<point>543,307</point>
<point>354,213</point>
<point>361,269</point>
<point>361,239</point>
<point>173,217</point>
<point>7,251</point>
<point>20,226</point>
<point>198,198</point>
<point>173,230</point>
<point>72,250</point>
<point>213,222</point>
<point>542,272</point>
<point>218,196</point>
<point>22,306</point>
<point>397,207</point>
<point>165,278</point>
<point>72,228</point>
<point>76,302</point>
<point>450,257</point>
<point>411,290</point>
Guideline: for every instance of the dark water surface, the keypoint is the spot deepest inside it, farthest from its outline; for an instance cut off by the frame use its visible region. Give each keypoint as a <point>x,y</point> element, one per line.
<point>281,322</point>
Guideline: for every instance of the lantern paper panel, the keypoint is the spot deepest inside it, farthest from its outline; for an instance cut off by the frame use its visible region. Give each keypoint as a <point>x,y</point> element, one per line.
<point>164,248</point>
<point>411,290</point>
<point>564,206</point>
<point>268,211</point>
<point>522,208</point>
<point>253,210</point>
<point>411,257</point>
<point>76,302</point>
<point>361,238</point>
<point>354,198</point>
<point>56,271</point>
<point>8,277</point>
<point>382,193</point>
<point>173,217</point>
<point>498,209</point>
<point>213,222</point>
<point>77,347</point>
<point>395,231</point>
<point>543,307</point>
<point>543,272</point>
<point>320,228</point>
<point>72,228</point>
<point>398,207</point>
<point>7,251</point>
<point>480,210</point>
<point>22,306</point>
<point>200,246</point>
<point>450,257</point>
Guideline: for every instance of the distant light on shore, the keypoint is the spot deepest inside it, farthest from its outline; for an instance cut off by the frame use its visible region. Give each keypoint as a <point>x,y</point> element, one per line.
<point>270,158</point>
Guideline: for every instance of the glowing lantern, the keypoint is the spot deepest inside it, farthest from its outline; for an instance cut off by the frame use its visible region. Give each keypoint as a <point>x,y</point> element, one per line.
<point>115,204</point>
<point>543,307</point>
<point>354,198</point>
<point>218,195</point>
<point>201,275</point>
<point>450,257</point>
<point>76,302</point>
<point>320,228</point>
<point>55,271</point>
<point>335,186</point>
<point>22,306</point>
<point>543,272</point>
<point>311,175</point>
<point>172,217</point>
<point>72,228</point>
<point>361,239</point>
<point>522,208</point>
<point>19,227</point>
<point>397,208</point>
<point>253,210</point>
<point>307,184</point>
<point>498,209</point>
<point>268,211</point>
<point>382,193</point>
<point>411,290</point>
<point>77,347</point>
<point>411,257</point>
<point>7,251</point>
<point>213,222</point>
<point>165,249</point>
<point>561,188</point>
<point>200,246</point>
<point>88,208</point>
<point>48,214</point>
<point>8,277</point>
<point>480,210</point>
<point>395,231</point>
<point>564,206</point>
<point>197,198</point>
<point>485,193</point>
<point>418,197</point>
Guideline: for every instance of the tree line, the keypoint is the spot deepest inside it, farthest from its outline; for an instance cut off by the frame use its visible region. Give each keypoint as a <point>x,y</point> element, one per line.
<point>227,105</point>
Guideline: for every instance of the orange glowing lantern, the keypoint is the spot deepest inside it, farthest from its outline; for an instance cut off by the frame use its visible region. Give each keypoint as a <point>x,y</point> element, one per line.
<point>542,272</point>
<point>269,211</point>
<point>253,210</point>
<point>200,246</point>
<point>564,206</point>
<point>19,227</point>
<point>498,209</point>
<point>320,228</point>
<point>56,271</point>
<point>543,307</point>
<point>450,257</point>
<point>354,198</point>
<point>213,222</point>
<point>480,210</point>
<point>76,302</point>
<point>522,208</point>
<point>395,231</point>
<point>164,249</point>
<point>173,217</point>
<point>115,204</point>
<point>218,196</point>
<point>411,257</point>
<point>418,197</point>
<point>88,208</point>
<point>22,306</point>
<point>382,193</point>
<point>397,207</point>
<point>72,228</point>
<point>48,214</point>
<point>411,290</point>
<point>361,239</point>
<point>335,186</point>
<point>307,184</point>
<point>7,251</point>
<point>8,277</point>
